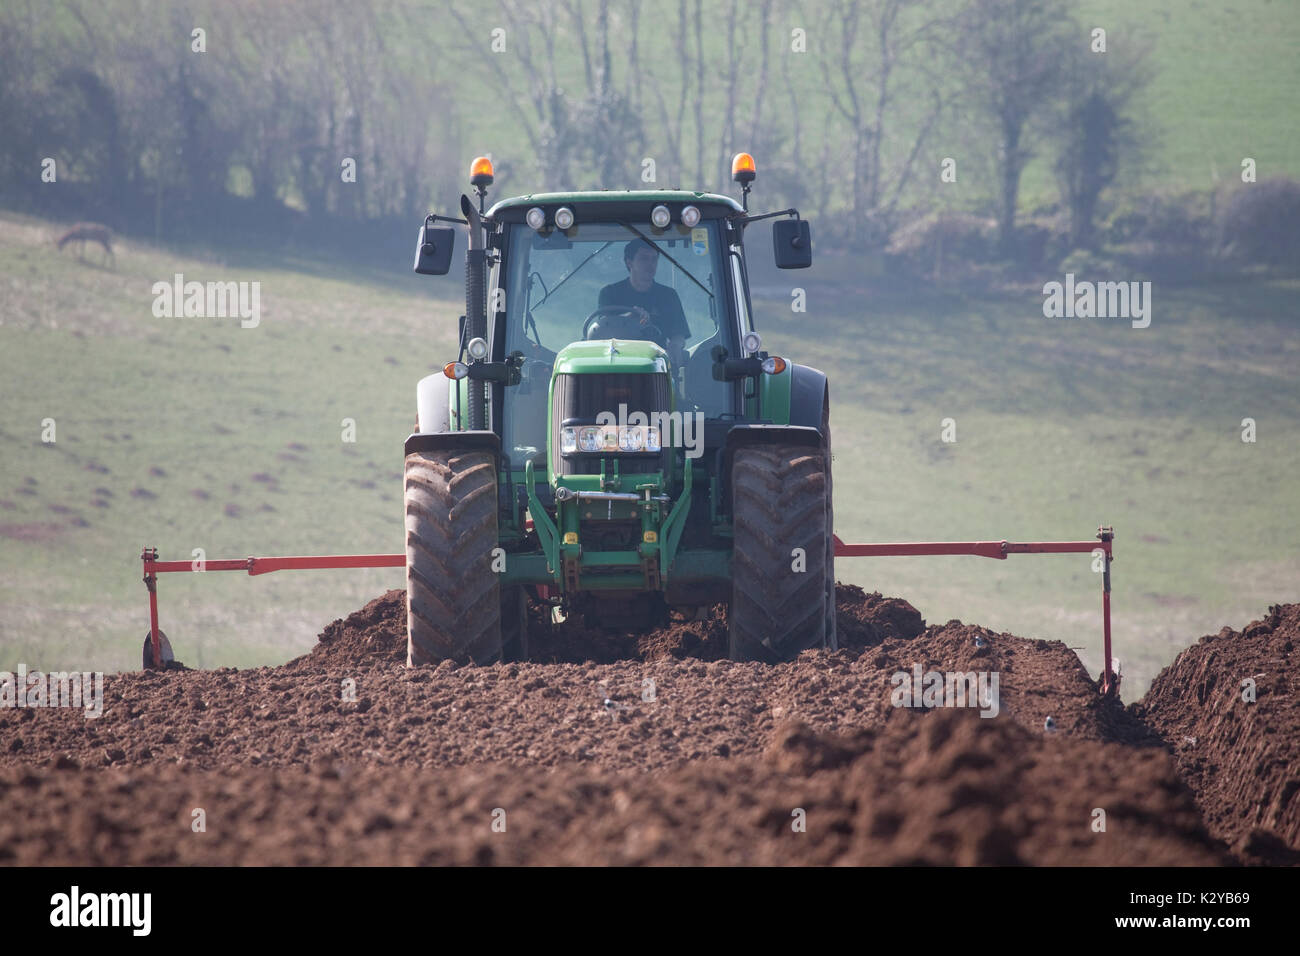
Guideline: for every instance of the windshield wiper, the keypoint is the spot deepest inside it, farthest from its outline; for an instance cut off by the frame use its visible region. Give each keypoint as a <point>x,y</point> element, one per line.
<point>528,305</point>
<point>665,254</point>
<point>575,271</point>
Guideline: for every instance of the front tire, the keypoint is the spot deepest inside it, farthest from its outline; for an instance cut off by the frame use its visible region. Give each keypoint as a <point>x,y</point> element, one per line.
<point>778,603</point>
<point>453,597</point>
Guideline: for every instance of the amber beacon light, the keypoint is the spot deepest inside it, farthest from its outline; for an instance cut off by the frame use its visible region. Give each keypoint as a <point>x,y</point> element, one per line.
<point>742,168</point>
<point>480,171</point>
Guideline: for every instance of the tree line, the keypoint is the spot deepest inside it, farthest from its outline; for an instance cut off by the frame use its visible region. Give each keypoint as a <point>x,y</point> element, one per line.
<point>161,117</point>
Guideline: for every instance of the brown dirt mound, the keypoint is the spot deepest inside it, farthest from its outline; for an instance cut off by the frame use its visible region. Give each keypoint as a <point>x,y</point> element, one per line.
<point>1242,758</point>
<point>378,632</point>
<point>653,713</point>
<point>659,750</point>
<point>944,788</point>
<point>865,620</point>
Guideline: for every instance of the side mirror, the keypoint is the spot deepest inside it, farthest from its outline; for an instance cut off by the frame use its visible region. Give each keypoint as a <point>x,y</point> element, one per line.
<point>433,250</point>
<point>792,243</point>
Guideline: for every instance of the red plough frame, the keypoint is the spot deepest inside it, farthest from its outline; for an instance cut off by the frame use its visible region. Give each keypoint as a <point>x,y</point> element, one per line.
<point>984,549</point>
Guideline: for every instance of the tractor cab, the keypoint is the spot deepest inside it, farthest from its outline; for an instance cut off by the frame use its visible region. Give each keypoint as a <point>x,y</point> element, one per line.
<point>659,274</point>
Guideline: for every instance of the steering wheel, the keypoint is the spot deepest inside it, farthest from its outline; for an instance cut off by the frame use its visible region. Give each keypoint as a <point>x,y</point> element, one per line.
<point>625,318</point>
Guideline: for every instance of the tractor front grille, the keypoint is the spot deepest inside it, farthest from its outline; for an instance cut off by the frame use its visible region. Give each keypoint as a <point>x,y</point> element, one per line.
<point>584,397</point>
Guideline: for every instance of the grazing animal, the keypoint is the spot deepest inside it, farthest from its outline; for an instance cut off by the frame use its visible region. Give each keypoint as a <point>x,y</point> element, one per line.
<point>84,232</point>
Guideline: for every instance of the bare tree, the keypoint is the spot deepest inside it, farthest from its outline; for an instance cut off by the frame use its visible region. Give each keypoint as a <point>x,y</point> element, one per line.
<point>877,77</point>
<point>794,178</point>
<point>526,80</point>
<point>590,118</point>
<point>757,134</point>
<point>699,90</point>
<point>612,133</point>
<point>1096,135</point>
<point>1010,56</point>
<point>731,70</point>
<point>672,121</point>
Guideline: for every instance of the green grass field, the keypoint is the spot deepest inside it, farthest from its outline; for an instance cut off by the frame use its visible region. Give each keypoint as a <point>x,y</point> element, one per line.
<point>1224,84</point>
<point>195,433</point>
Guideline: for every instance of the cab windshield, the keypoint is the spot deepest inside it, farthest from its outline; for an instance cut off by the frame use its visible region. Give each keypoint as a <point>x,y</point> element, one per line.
<point>563,277</point>
<point>613,279</point>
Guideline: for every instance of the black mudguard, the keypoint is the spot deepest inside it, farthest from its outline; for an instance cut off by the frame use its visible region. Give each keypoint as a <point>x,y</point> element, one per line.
<point>439,441</point>
<point>808,396</point>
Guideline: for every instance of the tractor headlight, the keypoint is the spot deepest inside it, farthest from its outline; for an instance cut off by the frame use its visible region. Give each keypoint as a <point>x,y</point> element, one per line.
<point>751,343</point>
<point>583,438</point>
<point>630,439</point>
<point>564,218</point>
<point>591,439</point>
<point>477,348</point>
<point>455,370</point>
<point>660,216</point>
<point>607,439</point>
<point>536,218</point>
<point>691,217</point>
<point>774,365</point>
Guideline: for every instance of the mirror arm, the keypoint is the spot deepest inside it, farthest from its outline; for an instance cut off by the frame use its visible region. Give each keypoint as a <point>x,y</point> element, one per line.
<point>745,220</point>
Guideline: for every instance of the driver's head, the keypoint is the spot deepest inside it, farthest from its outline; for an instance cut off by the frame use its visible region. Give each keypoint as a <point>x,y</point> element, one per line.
<point>641,259</point>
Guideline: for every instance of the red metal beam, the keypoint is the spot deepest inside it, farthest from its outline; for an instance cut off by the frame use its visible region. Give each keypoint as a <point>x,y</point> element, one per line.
<point>153,567</point>
<point>999,550</point>
<point>984,549</point>
<point>267,565</point>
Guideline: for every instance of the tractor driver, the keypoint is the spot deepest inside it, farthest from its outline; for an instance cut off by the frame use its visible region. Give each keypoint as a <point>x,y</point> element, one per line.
<point>651,303</point>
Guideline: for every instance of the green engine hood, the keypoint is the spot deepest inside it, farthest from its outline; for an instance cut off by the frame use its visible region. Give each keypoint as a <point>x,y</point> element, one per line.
<point>632,356</point>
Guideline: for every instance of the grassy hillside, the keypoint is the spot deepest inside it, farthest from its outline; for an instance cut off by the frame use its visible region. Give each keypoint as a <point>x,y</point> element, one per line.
<point>195,433</point>
<point>1224,85</point>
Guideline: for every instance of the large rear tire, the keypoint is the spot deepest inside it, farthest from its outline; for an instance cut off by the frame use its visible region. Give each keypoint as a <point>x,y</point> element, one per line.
<point>453,597</point>
<point>779,504</point>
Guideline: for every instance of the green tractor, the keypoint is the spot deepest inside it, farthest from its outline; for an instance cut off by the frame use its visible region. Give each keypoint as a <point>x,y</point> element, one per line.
<point>611,440</point>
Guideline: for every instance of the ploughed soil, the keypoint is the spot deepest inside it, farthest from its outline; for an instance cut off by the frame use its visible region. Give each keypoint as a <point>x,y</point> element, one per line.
<point>1229,707</point>
<point>658,750</point>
